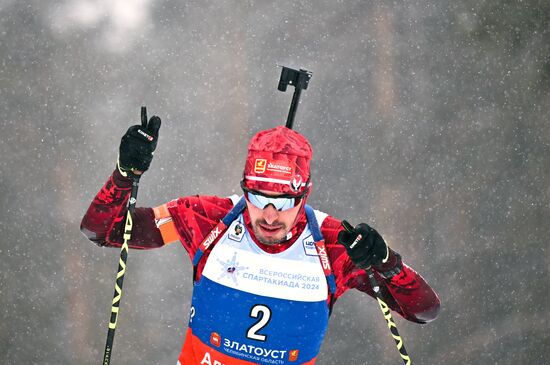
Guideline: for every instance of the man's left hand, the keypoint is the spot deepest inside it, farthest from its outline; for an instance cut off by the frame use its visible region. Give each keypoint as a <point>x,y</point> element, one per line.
<point>365,246</point>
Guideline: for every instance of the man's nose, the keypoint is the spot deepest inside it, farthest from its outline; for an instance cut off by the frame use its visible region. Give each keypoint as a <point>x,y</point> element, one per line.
<point>270,214</point>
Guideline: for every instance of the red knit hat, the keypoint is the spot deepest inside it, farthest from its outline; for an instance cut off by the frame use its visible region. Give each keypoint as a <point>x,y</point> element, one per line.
<point>278,161</point>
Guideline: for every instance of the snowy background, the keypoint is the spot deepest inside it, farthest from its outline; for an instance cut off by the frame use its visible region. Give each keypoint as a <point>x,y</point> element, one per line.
<point>429,120</point>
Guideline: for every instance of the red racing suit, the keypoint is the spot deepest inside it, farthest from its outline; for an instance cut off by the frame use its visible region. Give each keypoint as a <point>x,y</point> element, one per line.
<point>190,219</point>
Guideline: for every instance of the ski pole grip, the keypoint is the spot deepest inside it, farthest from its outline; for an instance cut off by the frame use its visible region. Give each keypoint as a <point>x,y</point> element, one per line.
<point>348,227</point>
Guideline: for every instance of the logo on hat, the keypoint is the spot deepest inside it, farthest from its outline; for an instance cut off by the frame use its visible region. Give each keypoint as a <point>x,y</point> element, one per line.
<point>293,355</point>
<point>259,165</point>
<point>296,183</point>
<point>279,168</point>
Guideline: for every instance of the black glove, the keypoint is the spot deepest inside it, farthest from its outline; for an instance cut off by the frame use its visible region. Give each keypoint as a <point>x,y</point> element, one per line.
<point>364,245</point>
<point>137,146</point>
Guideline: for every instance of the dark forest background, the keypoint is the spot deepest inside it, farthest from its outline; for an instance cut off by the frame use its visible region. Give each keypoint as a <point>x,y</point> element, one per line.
<point>429,121</point>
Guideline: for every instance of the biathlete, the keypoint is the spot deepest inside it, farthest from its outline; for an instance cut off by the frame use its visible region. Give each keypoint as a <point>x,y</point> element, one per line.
<point>268,268</point>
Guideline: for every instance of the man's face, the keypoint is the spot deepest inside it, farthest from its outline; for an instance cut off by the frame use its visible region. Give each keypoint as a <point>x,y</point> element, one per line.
<point>270,225</point>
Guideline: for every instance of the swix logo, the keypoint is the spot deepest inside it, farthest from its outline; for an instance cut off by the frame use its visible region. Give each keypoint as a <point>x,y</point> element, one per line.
<point>149,138</point>
<point>211,237</point>
<point>259,165</point>
<point>215,339</point>
<point>323,255</point>
<point>293,355</point>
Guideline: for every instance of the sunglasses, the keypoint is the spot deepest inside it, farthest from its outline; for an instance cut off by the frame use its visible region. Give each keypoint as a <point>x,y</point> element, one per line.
<point>280,202</point>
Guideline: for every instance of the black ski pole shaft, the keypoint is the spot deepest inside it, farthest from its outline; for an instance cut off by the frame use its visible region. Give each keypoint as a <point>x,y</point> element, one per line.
<point>385,309</point>
<point>293,107</point>
<point>300,80</point>
<point>389,319</point>
<point>122,262</point>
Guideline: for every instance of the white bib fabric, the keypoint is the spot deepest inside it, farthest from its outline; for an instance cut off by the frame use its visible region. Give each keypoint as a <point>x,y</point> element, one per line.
<point>294,274</point>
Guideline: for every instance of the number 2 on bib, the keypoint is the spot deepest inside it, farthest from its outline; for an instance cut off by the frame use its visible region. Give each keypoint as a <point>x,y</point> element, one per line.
<point>264,313</point>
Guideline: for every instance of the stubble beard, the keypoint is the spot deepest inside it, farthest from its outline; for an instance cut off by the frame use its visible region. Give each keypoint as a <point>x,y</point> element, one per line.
<point>269,240</point>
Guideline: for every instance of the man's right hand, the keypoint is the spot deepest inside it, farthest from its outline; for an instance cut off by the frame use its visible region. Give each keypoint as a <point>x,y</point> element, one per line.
<point>365,246</point>
<point>137,147</point>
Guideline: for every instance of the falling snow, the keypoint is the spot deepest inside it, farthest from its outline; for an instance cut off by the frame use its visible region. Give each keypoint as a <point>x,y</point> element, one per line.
<point>429,121</point>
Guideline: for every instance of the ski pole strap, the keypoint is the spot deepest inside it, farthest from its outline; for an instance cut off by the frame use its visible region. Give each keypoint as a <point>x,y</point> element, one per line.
<point>321,250</point>
<point>216,233</point>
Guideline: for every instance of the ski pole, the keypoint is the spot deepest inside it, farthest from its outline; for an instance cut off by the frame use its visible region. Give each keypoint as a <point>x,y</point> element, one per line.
<point>384,307</point>
<point>122,261</point>
<point>298,79</point>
